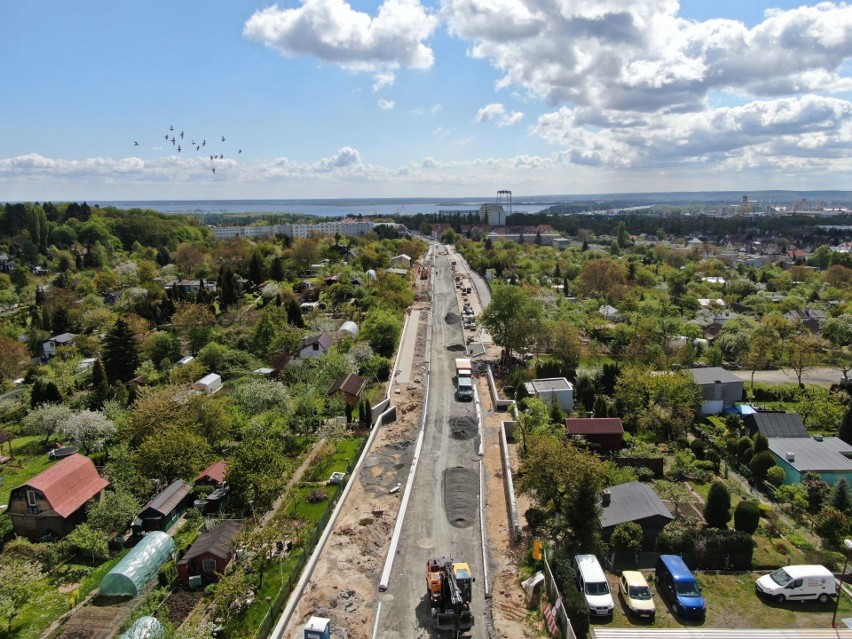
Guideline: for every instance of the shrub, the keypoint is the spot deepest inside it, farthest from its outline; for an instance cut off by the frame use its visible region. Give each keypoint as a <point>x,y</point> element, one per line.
<point>717,510</point>
<point>536,518</point>
<point>832,525</point>
<point>723,550</point>
<point>747,517</point>
<point>775,476</point>
<point>760,464</point>
<point>168,573</point>
<point>744,444</point>
<point>627,537</point>
<point>705,465</point>
<point>317,496</point>
<point>698,448</point>
<point>577,609</point>
<point>761,443</point>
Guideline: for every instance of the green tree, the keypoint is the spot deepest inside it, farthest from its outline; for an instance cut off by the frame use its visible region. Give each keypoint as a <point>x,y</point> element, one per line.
<point>535,418</point>
<point>845,430</point>
<point>621,235</point>
<point>717,510</point>
<point>802,352</point>
<point>821,408</point>
<point>88,540</point>
<point>255,470</point>
<point>163,349</point>
<point>839,497</point>
<point>747,516</point>
<point>627,537</point>
<point>565,481</point>
<point>19,582</point>
<point>228,286</point>
<point>46,420</point>
<point>514,318</point>
<point>120,353</point>
<point>675,492</point>
<point>382,328</point>
<point>832,524</point>
<point>100,385</point>
<point>174,453</point>
<point>113,513</point>
<point>194,322</point>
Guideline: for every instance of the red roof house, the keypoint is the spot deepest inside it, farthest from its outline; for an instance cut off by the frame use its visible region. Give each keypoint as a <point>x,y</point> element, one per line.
<point>55,501</point>
<point>608,432</point>
<point>213,474</point>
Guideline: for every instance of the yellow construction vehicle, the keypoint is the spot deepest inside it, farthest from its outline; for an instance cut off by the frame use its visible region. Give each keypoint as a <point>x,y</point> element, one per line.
<point>449,585</point>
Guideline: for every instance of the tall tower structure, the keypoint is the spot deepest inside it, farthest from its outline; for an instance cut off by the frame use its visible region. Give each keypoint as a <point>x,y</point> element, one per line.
<point>745,207</point>
<point>504,199</point>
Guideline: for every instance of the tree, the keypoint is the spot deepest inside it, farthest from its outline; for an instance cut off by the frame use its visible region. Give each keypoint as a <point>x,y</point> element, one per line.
<point>14,357</point>
<point>845,431</point>
<point>762,350</point>
<point>194,322</point>
<point>663,402</point>
<point>44,393</point>
<point>717,510</point>
<point>113,513</point>
<point>89,430</point>
<point>163,349</point>
<point>228,286</point>
<point>821,408</point>
<point>18,583</point>
<point>534,418</point>
<point>604,279</point>
<point>621,235</point>
<point>627,537</point>
<point>100,385</point>
<point>566,481</point>
<point>123,474</point>
<point>747,516</point>
<point>255,470</point>
<point>46,420</point>
<point>802,352</point>
<point>674,492</point>
<point>174,453</point>
<point>382,328</point>
<point>832,524</point>
<point>86,539</point>
<point>817,491</point>
<point>120,353</point>
<point>513,318</point>
<point>760,463</point>
<point>839,497</point>
<point>565,341</point>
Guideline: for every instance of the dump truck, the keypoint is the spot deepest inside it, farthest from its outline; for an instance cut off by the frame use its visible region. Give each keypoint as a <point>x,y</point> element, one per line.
<point>464,380</point>
<point>449,586</point>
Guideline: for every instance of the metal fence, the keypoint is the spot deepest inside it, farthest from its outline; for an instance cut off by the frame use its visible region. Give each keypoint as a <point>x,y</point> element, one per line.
<point>559,612</point>
<point>278,602</point>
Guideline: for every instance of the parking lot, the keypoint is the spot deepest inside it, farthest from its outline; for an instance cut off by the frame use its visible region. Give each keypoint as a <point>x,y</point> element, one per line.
<point>731,603</point>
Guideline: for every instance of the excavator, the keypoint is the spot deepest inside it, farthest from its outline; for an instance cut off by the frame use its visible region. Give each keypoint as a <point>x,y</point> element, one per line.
<point>449,585</point>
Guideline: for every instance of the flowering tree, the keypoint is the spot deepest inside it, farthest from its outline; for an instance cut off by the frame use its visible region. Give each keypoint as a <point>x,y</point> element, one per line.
<point>89,430</point>
<point>46,420</point>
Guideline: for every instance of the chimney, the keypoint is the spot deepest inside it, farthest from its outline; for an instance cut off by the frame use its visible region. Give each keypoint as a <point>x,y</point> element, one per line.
<point>606,498</point>
<point>791,457</point>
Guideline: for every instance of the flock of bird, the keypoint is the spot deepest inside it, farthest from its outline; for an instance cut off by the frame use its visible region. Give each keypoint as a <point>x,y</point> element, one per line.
<point>177,139</point>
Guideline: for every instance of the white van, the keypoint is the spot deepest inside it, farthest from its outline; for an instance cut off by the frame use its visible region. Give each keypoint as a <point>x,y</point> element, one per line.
<point>592,583</point>
<point>798,583</point>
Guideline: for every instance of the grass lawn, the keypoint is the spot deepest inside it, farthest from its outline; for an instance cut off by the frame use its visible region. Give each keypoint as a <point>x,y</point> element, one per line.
<point>49,603</point>
<point>335,457</point>
<point>30,458</point>
<point>732,603</point>
<point>703,489</point>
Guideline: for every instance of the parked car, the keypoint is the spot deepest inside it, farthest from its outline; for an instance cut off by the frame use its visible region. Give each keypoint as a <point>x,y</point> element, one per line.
<point>593,585</point>
<point>798,583</point>
<point>676,583</point>
<point>637,595</point>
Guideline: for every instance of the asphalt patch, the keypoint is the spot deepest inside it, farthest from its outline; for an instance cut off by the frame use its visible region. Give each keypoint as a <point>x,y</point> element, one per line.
<point>461,496</point>
<point>464,427</point>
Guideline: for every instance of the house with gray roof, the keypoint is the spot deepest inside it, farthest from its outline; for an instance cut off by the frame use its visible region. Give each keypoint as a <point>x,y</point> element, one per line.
<point>775,424</point>
<point>719,388</point>
<point>828,457</point>
<point>637,502</point>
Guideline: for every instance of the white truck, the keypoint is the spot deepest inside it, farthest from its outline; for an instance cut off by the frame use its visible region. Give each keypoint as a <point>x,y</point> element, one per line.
<point>464,379</point>
<point>798,583</point>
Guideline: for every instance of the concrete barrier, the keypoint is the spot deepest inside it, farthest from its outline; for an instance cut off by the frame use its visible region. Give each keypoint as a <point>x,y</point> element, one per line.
<point>509,484</point>
<point>499,404</point>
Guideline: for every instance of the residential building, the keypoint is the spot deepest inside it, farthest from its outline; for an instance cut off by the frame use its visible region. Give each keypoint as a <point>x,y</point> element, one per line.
<point>314,346</point>
<point>719,388</point>
<point>557,389</point>
<point>55,501</point>
<point>775,424</point>
<point>164,509</point>
<point>828,457</point>
<point>606,432</point>
<point>49,346</point>
<point>634,502</point>
<point>211,553</point>
<point>401,261</point>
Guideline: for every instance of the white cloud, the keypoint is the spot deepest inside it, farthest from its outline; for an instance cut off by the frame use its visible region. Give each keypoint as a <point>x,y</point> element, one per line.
<point>383,80</point>
<point>496,113</point>
<point>334,32</point>
<point>386,105</point>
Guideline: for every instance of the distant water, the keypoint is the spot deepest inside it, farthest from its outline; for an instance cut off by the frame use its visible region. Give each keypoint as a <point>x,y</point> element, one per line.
<point>321,208</point>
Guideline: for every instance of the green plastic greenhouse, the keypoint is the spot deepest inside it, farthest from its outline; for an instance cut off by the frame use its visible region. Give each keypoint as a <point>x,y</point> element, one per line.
<point>144,628</point>
<point>140,566</point>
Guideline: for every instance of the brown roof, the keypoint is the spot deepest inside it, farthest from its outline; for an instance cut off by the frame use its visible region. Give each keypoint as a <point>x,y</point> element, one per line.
<point>214,472</point>
<point>349,384</point>
<point>594,426</point>
<point>166,501</point>
<point>218,541</point>
<point>69,484</point>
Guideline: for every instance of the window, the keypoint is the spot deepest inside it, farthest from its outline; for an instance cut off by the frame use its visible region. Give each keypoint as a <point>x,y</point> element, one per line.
<point>208,565</point>
<point>31,498</point>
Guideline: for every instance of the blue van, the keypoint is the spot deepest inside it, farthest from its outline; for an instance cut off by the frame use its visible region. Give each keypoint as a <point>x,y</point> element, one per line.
<point>676,583</point>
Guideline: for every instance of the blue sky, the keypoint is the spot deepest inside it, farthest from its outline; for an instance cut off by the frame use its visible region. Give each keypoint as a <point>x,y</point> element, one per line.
<point>413,98</point>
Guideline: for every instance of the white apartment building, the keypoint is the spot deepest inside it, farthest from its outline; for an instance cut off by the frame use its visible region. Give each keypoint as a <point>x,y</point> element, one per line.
<point>346,227</point>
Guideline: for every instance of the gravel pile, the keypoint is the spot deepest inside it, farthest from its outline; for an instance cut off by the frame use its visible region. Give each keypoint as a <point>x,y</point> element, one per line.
<point>461,486</point>
<point>464,427</point>
<point>452,318</point>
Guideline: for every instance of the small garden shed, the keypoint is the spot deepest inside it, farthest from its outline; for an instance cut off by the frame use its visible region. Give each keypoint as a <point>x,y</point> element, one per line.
<point>130,575</point>
<point>164,509</point>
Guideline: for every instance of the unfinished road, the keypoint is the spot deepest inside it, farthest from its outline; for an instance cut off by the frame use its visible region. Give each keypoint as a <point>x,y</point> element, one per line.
<point>442,518</point>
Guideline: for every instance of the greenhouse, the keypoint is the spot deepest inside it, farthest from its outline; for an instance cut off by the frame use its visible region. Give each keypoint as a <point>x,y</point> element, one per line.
<point>141,564</point>
<point>144,628</point>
